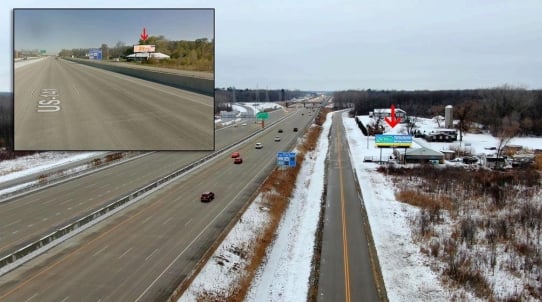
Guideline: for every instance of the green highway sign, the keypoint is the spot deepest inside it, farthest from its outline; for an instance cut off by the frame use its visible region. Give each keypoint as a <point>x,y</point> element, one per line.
<point>262,115</point>
<point>42,51</point>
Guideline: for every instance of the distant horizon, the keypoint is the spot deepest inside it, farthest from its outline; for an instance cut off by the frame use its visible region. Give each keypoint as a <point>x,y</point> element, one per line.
<point>55,29</point>
<point>321,46</point>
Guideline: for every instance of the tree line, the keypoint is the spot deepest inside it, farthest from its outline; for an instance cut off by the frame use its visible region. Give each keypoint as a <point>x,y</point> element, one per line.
<point>197,54</point>
<point>499,108</point>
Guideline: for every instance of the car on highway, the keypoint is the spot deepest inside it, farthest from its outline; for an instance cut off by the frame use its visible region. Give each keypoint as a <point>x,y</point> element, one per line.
<point>207,196</point>
<point>259,145</point>
<point>295,129</point>
<point>280,130</point>
<point>277,138</point>
<point>235,154</point>
<point>238,160</point>
<point>243,124</point>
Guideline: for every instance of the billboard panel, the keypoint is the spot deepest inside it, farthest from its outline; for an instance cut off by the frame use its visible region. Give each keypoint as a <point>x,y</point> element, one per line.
<point>144,48</point>
<point>95,54</point>
<point>391,140</point>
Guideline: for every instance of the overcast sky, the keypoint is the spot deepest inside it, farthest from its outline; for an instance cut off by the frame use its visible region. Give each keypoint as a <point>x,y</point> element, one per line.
<point>53,30</point>
<point>336,45</point>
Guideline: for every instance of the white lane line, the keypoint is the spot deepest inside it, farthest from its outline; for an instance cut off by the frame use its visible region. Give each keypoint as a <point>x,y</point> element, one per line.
<point>188,222</point>
<point>65,299</point>
<point>193,240</point>
<point>103,249</point>
<point>153,252</point>
<point>31,297</point>
<point>15,222</point>
<point>124,254</point>
<point>167,220</point>
<point>57,213</point>
<point>147,219</point>
<point>15,232</point>
<point>30,225</point>
<point>45,219</point>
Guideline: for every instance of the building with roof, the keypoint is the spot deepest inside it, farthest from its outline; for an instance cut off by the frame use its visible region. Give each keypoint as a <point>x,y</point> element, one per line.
<point>386,112</point>
<point>422,155</point>
<point>142,56</point>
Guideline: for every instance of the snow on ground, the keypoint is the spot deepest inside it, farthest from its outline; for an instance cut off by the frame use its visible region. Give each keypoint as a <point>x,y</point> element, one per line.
<point>38,162</point>
<point>286,273</point>
<point>405,270</point>
<point>242,108</point>
<point>27,62</point>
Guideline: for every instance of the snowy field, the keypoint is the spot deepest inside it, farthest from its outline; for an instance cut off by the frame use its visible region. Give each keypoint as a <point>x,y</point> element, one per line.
<point>284,276</point>
<point>241,108</point>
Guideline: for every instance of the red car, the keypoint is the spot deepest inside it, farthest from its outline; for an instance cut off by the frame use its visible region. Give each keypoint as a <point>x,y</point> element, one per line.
<point>238,160</point>
<point>207,196</point>
<point>235,155</point>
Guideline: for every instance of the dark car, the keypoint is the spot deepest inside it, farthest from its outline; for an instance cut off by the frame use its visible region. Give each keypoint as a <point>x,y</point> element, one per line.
<point>280,130</point>
<point>207,196</point>
<point>238,160</point>
<point>295,129</point>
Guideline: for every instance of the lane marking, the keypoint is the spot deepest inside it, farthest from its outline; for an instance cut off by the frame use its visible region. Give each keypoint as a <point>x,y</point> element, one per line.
<point>33,296</point>
<point>189,221</point>
<point>153,252</point>
<point>101,250</point>
<point>343,220</point>
<point>167,220</point>
<point>65,299</point>
<point>124,254</point>
<point>15,222</point>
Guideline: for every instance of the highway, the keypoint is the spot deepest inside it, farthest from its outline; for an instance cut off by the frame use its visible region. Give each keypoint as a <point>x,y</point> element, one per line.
<point>62,105</point>
<point>144,252</point>
<point>346,269</point>
<point>32,216</point>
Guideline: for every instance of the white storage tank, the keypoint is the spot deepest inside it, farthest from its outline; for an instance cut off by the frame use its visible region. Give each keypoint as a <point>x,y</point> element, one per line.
<point>448,117</point>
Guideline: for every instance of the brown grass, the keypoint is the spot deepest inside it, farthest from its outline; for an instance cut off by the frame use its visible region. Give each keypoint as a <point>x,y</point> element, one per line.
<point>278,187</point>
<point>538,162</point>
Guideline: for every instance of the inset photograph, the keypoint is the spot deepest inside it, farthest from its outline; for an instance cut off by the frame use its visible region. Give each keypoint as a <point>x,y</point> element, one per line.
<point>113,79</point>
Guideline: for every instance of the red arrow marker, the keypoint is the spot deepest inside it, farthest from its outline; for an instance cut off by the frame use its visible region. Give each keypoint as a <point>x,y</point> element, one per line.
<point>144,35</point>
<point>393,121</point>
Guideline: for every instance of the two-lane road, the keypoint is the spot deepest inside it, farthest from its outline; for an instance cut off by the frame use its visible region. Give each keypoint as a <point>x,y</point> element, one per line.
<point>62,105</point>
<point>347,271</point>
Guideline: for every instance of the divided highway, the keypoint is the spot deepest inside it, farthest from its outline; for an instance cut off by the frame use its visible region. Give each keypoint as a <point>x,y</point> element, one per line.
<point>62,105</point>
<point>144,252</point>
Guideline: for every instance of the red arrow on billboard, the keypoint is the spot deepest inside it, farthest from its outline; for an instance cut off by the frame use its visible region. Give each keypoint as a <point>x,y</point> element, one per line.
<point>393,121</point>
<point>144,35</point>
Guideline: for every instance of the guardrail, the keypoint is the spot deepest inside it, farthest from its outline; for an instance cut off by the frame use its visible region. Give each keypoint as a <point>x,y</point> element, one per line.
<point>48,240</point>
<point>198,85</point>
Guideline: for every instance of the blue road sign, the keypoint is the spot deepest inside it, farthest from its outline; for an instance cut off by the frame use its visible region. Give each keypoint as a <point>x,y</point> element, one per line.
<point>286,159</point>
<point>94,54</point>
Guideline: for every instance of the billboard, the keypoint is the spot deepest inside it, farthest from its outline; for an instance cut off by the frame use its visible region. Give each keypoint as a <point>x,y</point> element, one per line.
<point>144,48</point>
<point>95,54</point>
<point>391,140</point>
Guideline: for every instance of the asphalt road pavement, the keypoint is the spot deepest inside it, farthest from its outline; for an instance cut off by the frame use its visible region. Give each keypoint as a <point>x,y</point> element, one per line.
<point>143,253</point>
<point>62,105</point>
<point>346,269</point>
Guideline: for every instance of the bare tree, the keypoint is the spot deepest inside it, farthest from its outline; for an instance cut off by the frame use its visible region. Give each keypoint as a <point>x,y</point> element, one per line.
<point>509,129</point>
<point>436,112</point>
<point>465,113</point>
